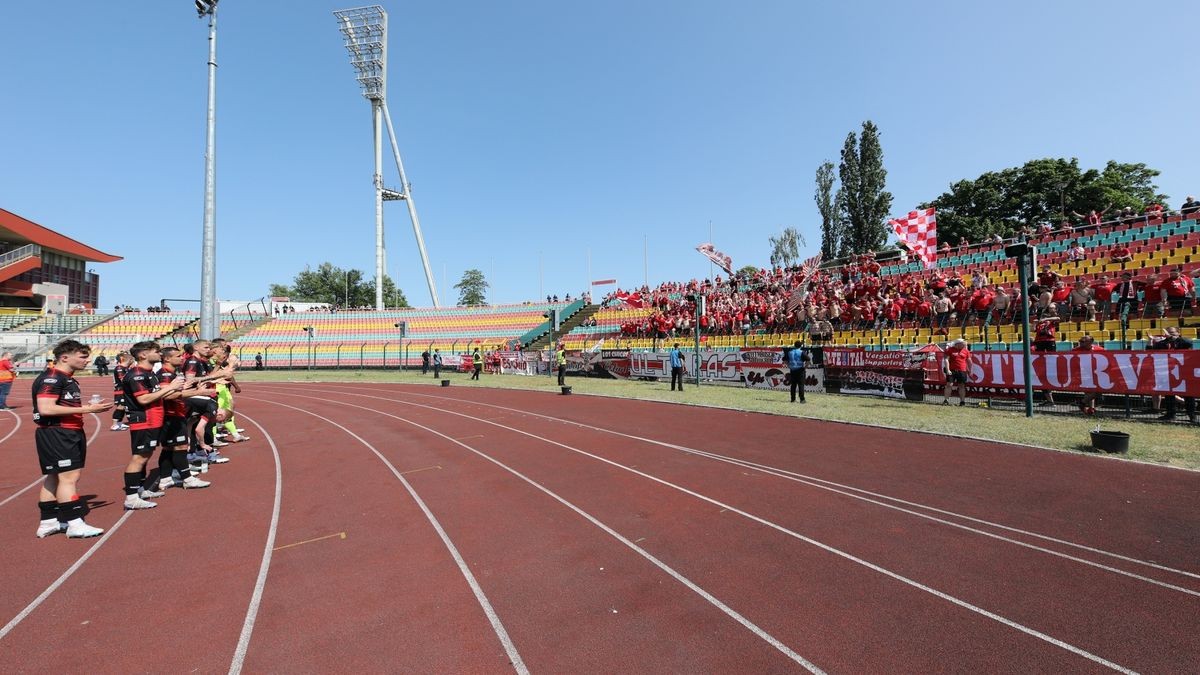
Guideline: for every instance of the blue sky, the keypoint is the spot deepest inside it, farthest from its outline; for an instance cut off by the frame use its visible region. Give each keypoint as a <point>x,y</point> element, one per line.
<point>536,132</point>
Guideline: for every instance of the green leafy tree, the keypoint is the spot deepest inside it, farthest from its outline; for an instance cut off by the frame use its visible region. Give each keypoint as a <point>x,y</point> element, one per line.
<point>472,289</point>
<point>1041,190</point>
<point>862,200</point>
<point>748,270</point>
<point>331,284</point>
<point>830,230</point>
<point>785,248</point>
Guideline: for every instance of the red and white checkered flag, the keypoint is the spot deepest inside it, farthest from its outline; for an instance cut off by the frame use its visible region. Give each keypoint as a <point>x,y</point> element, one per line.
<point>918,231</point>
<point>807,268</point>
<point>723,261</point>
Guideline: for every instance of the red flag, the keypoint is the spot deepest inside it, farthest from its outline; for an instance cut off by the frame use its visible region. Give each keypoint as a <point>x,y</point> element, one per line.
<point>918,231</point>
<point>723,261</point>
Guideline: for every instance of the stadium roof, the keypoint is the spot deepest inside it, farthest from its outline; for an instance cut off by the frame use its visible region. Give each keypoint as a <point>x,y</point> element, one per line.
<point>15,228</point>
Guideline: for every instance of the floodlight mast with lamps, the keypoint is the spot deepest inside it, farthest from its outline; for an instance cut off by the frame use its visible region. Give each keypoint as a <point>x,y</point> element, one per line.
<point>365,31</point>
<point>208,257</point>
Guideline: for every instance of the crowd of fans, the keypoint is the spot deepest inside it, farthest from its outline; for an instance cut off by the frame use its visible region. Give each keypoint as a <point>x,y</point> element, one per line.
<point>855,296</point>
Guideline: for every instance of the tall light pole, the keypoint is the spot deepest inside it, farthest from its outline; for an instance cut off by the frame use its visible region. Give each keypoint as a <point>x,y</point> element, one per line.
<point>365,31</point>
<point>208,257</point>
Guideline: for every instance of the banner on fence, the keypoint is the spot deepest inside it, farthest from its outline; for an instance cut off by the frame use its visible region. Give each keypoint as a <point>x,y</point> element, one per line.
<point>867,373</point>
<point>715,366</point>
<point>1115,372</point>
<point>765,369</point>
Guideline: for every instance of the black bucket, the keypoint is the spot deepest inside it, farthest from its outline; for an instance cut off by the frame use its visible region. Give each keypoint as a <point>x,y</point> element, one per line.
<point>566,390</point>
<point>445,383</point>
<point>1110,441</point>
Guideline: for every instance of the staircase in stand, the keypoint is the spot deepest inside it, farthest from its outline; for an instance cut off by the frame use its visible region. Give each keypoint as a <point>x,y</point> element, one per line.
<point>584,313</point>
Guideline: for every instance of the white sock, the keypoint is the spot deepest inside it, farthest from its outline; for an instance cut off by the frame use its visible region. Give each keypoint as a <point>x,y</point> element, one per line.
<point>76,521</point>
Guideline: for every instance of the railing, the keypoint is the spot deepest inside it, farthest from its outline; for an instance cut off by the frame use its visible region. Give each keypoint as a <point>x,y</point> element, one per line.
<point>350,355</point>
<point>18,254</point>
<point>249,313</point>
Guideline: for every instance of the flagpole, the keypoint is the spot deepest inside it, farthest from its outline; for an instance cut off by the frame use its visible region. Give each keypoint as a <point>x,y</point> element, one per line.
<point>646,260</point>
<point>710,263</point>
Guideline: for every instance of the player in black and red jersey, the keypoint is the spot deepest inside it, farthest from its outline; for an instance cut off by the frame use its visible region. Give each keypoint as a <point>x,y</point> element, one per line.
<point>118,373</point>
<point>202,409</point>
<point>173,456</point>
<point>144,398</point>
<point>61,444</point>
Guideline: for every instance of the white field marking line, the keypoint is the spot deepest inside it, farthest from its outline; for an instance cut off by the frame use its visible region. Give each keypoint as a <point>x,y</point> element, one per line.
<point>768,468</point>
<point>65,575</point>
<point>39,481</point>
<point>767,637</point>
<point>18,425</point>
<point>825,547</point>
<point>497,626</point>
<point>239,654</point>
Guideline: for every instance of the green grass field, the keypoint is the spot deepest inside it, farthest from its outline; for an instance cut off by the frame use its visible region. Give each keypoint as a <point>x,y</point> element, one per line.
<point>1171,444</point>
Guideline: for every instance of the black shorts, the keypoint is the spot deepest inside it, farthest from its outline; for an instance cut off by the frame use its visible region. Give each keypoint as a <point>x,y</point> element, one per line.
<point>174,432</point>
<point>958,377</point>
<point>1045,346</point>
<point>1179,303</point>
<point>144,441</point>
<point>60,450</point>
<point>203,406</point>
<point>119,399</point>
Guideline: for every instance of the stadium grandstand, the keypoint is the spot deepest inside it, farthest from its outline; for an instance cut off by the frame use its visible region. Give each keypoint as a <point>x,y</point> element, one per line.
<point>46,288</point>
<point>373,339</point>
<point>888,304</point>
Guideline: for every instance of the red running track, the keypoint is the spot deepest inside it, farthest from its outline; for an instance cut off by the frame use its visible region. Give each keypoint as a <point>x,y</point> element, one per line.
<point>473,530</point>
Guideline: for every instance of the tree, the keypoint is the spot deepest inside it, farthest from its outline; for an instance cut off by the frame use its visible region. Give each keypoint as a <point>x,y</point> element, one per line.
<point>785,249</point>
<point>472,290</point>
<point>830,232</point>
<point>748,270</point>
<point>333,285</point>
<point>1041,190</point>
<point>861,199</point>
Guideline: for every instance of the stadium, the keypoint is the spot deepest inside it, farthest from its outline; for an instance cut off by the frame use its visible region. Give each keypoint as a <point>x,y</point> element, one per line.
<point>958,438</point>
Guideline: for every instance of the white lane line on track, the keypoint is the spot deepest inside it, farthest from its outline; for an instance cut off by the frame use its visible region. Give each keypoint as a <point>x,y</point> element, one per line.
<point>769,469</point>
<point>65,575</point>
<point>497,626</point>
<point>825,547</point>
<point>15,427</point>
<point>239,654</point>
<point>37,482</point>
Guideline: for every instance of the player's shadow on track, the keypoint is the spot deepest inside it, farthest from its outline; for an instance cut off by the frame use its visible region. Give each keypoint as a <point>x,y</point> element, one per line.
<point>91,502</point>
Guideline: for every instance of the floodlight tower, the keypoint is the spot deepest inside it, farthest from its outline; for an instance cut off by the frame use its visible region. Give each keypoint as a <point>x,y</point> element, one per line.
<point>365,30</point>
<point>208,257</point>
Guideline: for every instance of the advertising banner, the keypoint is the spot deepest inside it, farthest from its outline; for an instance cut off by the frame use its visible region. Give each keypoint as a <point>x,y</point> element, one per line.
<point>1104,372</point>
<point>868,373</point>
<point>715,366</point>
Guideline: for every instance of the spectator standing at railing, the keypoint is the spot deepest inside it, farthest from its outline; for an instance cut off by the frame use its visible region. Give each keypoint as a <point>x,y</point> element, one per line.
<point>1178,291</point>
<point>1189,207</point>
<point>957,359</point>
<point>1087,343</point>
<point>941,310</point>
<point>1093,217</point>
<point>1001,301</point>
<point>7,374</point>
<point>1081,299</point>
<point>1172,340</point>
<point>1060,295</point>
<point>1045,340</point>
<point>1102,293</point>
<point>1127,294</point>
